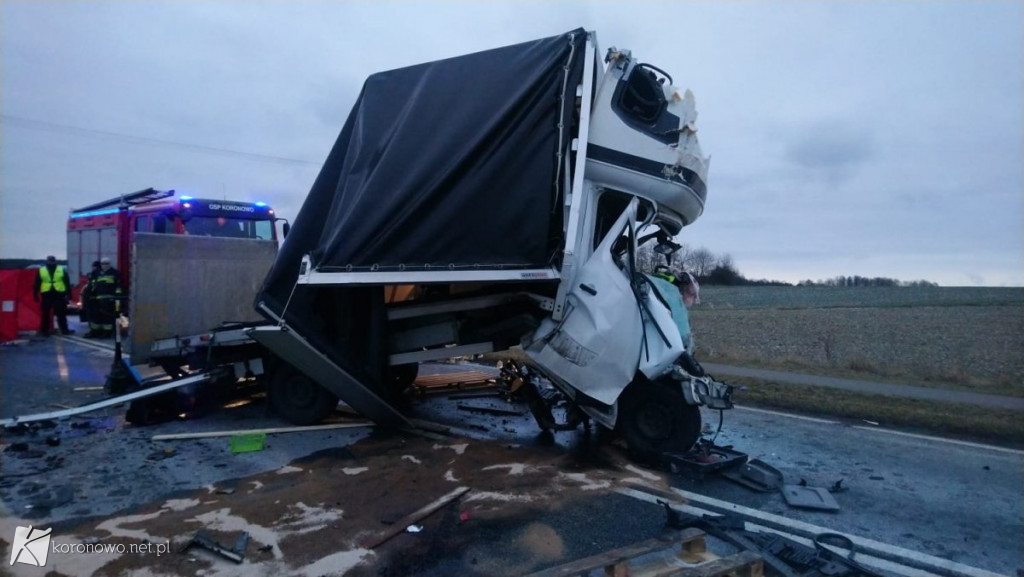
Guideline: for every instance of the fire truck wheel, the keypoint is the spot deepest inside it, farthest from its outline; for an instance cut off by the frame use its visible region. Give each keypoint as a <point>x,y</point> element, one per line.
<point>298,399</point>
<point>655,418</point>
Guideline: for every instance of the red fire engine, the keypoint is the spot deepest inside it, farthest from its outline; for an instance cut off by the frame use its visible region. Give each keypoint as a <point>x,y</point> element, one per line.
<point>108,228</point>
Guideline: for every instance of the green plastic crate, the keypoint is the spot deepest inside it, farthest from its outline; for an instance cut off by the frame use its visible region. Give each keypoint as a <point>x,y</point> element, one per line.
<point>248,442</point>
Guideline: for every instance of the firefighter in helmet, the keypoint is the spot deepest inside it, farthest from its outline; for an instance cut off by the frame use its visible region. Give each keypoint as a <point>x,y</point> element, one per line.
<point>104,290</point>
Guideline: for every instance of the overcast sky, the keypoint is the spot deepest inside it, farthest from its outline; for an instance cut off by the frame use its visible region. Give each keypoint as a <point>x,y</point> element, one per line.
<point>867,138</point>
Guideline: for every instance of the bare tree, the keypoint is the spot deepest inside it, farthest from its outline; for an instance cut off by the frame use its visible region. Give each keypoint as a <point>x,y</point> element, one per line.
<point>701,262</point>
<point>681,259</point>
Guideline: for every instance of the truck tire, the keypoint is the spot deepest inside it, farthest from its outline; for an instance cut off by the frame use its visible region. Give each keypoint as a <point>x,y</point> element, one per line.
<point>298,398</point>
<point>655,418</point>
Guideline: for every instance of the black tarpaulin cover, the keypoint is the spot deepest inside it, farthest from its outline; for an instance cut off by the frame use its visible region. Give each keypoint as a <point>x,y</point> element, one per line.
<point>448,163</point>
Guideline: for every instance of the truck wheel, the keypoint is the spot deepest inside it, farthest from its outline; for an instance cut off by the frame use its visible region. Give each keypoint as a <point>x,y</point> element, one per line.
<point>655,418</point>
<point>298,398</point>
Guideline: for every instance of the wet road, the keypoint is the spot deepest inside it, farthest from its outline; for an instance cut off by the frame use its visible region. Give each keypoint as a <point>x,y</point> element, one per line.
<point>952,500</point>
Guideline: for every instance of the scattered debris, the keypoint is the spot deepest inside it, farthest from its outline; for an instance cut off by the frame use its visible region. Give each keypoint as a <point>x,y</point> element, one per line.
<point>838,487</point>
<point>161,455</point>
<point>757,475</point>
<point>236,553</point>
<point>706,457</point>
<point>410,519</point>
<point>85,390</point>
<point>809,498</point>
<point>491,410</point>
<point>90,426</point>
<point>414,528</point>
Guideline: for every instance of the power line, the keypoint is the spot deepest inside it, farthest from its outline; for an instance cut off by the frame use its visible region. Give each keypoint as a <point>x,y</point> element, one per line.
<point>67,128</point>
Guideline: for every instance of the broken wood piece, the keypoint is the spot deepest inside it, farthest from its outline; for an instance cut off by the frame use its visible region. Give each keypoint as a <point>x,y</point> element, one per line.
<point>400,525</point>
<point>273,430</point>
<point>86,389</point>
<point>452,379</point>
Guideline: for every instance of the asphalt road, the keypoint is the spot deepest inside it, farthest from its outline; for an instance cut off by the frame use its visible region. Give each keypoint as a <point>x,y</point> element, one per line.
<point>951,500</point>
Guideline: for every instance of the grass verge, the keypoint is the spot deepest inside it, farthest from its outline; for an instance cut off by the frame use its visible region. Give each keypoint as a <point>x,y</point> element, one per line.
<point>949,379</point>
<point>999,426</point>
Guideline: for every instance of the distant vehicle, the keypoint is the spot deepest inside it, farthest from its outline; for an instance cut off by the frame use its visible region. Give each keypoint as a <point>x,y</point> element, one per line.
<point>108,228</point>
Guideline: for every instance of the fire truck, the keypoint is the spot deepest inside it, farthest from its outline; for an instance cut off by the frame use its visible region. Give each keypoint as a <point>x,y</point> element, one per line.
<point>108,228</point>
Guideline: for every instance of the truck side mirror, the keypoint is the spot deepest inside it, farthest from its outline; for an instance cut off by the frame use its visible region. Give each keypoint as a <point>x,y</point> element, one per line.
<point>285,228</point>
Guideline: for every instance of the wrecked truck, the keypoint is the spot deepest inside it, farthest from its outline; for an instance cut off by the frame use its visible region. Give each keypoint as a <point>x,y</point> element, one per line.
<point>494,200</point>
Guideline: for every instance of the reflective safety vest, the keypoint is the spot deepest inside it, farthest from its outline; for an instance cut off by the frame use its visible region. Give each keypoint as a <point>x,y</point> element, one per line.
<point>57,283</point>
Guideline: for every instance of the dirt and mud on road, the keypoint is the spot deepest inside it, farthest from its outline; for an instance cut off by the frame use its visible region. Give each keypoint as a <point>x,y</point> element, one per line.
<point>317,515</point>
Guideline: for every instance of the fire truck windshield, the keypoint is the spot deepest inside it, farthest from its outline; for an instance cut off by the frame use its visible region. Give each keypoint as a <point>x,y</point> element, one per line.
<point>229,227</point>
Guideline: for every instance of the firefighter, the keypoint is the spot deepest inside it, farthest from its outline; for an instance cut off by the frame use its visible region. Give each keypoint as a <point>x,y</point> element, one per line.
<point>103,292</point>
<point>86,295</point>
<point>53,291</point>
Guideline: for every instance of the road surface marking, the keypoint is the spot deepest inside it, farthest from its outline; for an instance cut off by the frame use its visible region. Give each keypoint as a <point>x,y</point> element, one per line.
<point>88,344</point>
<point>790,415</point>
<point>62,364</point>
<point>942,440</point>
<point>887,431</point>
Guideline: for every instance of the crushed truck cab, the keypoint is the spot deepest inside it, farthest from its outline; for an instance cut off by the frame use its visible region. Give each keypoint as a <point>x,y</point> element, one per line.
<point>493,200</point>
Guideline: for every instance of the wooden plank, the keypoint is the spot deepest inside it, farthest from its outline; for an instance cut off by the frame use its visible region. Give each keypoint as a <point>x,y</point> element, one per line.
<point>422,513</point>
<point>612,560</point>
<point>451,379</point>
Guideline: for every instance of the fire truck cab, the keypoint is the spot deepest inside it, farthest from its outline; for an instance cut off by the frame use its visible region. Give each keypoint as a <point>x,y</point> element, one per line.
<point>108,228</point>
